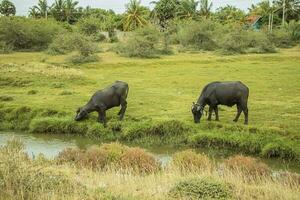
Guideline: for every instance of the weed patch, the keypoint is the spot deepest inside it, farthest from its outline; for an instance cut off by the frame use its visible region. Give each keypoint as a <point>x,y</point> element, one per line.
<point>205,188</point>
<point>251,167</point>
<point>189,160</point>
<point>6,98</point>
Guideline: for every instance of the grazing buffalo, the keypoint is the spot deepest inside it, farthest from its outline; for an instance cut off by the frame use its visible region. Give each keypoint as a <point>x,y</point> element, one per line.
<point>222,93</point>
<point>112,96</point>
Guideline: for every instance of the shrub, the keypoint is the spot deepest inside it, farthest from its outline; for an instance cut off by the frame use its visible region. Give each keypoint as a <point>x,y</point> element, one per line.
<point>281,38</point>
<point>293,28</point>
<point>32,92</point>
<point>204,188</point>
<point>260,43</point>
<point>22,33</point>
<point>89,25</point>
<point>236,42</point>
<point>248,165</point>
<point>92,158</point>
<point>5,48</point>
<point>75,42</point>
<point>114,151</point>
<point>198,35</point>
<point>80,59</point>
<point>110,156</point>
<point>6,98</point>
<point>64,43</point>
<point>189,160</point>
<point>98,37</point>
<point>113,36</point>
<point>139,161</point>
<point>279,149</point>
<point>21,179</point>
<point>142,43</point>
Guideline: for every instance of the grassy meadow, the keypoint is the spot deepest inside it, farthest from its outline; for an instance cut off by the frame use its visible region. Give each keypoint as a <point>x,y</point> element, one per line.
<point>40,93</point>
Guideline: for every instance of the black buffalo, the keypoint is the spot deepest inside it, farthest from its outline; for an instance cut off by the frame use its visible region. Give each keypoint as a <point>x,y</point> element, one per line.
<point>222,93</point>
<point>112,96</point>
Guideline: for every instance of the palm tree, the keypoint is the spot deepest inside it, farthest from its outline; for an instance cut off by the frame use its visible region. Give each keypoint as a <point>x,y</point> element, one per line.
<point>42,8</point>
<point>187,9</point>
<point>58,10</point>
<point>70,9</point>
<point>33,12</point>
<point>291,9</point>
<point>134,15</point>
<point>205,8</point>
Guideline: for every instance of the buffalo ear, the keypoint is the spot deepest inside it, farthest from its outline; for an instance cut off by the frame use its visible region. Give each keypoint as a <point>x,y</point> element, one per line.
<point>78,110</point>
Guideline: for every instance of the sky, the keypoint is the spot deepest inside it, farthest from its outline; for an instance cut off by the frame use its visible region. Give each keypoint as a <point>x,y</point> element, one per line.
<point>119,5</point>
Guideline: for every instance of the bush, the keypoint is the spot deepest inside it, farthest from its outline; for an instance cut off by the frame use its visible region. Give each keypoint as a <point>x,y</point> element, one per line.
<point>204,188</point>
<point>189,160</point>
<point>142,43</point>
<point>98,37</point>
<point>139,161</point>
<point>64,43</point>
<point>21,33</point>
<point>293,28</point>
<point>6,98</point>
<point>21,179</point>
<point>113,36</point>
<point>236,42</point>
<point>248,165</point>
<point>279,150</point>
<point>111,156</point>
<point>281,38</point>
<point>80,59</point>
<point>198,35</point>
<point>75,42</point>
<point>260,43</point>
<point>89,25</point>
<point>5,48</point>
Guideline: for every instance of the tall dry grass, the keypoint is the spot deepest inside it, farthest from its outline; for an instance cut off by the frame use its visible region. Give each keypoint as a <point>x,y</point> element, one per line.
<point>24,178</point>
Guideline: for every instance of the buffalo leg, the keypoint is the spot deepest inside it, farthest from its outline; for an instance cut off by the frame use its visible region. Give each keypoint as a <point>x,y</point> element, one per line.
<point>102,117</point>
<point>217,113</point>
<point>211,108</point>
<point>123,109</point>
<point>239,111</point>
<point>245,110</point>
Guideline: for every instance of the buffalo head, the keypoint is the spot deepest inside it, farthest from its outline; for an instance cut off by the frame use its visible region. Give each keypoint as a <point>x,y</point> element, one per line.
<point>197,111</point>
<point>80,114</point>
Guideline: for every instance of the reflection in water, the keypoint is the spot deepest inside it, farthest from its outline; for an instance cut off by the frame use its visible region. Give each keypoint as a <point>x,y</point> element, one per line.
<point>51,145</point>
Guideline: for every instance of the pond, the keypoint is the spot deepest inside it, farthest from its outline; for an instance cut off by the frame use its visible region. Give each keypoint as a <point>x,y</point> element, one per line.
<point>51,145</point>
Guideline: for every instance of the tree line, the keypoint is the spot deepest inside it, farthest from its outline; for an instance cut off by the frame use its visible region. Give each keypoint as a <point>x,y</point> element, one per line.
<point>275,13</point>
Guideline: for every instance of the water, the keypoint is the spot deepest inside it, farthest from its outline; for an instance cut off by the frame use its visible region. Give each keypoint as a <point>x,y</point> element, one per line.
<point>51,145</point>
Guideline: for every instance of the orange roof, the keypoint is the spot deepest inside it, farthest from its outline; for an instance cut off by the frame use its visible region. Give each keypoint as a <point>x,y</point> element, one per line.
<point>252,19</point>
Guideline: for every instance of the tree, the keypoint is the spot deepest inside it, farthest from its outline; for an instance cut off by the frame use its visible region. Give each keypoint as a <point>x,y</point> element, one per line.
<point>135,15</point>
<point>42,8</point>
<point>291,9</point>
<point>205,8</point>
<point>187,9</point>
<point>7,8</point>
<point>33,12</point>
<point>229,14</point>
<point>70,11</point>
<point>58,10</point>
<point>164,11</point>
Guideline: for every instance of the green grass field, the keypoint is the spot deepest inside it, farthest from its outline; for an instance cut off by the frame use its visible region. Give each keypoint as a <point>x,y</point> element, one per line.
<point>160,89</point>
